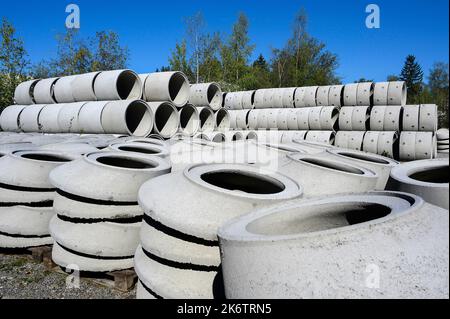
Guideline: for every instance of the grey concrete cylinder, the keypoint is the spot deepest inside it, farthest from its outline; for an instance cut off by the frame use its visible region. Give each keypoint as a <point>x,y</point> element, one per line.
<point>90,117</point>
<point>335,95</point>
<point>222,119</point>
<point>248,100</point>
<point>189,120</point>
<point>323,96</point>
<point>68,117</point>
<point>28,119</point>
<point>166,118</point>
<point>428,117</point>
<point>310,97</point>
<point>83,87</point>
<point>207,120</point>
<point>380,93</point>
<point>364,94</point>
<point>397,93</point>
<point>9,118</point>
<point>48,118</point>
<point>411,117</point>
<point>43,92</point>
<point>117,85</point>
<point>167,86</point>
<point>24,92</point>
<point>63,90</point>
<point>350,94</point>
<point>206,94</point>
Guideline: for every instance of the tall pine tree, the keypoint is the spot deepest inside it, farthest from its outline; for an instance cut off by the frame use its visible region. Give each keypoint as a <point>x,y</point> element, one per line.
<point>412,74</point>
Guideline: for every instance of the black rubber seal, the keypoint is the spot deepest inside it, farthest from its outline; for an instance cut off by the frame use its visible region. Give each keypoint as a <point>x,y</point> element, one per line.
<point>93,201</point>
<point>75,220</point>
<point>92,256</point>
<point>26,189</point>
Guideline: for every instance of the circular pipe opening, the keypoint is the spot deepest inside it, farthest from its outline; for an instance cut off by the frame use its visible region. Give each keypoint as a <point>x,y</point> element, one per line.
<point>246,182</point>
<point>219,138</point>
<point>237,137</point>
<point>129,85</point>
<point>332,165</point>
<point>137,149</point>
<point>363,157</point>
<point>46,157</point>
<point>214,95</point>
<point>189,120</point>
<point>179,89</point>
<point>139,119</point>
<point>206,120</point>
<point>252,136</point>
<point>438,175</point>
<point>124,162</point>
<point>222,119</point>
<point>166,120</point>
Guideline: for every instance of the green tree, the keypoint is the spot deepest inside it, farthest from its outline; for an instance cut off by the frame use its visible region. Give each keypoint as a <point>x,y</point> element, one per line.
<point>438,84</point>
<point>109,54</point>
<point>392,78</point>
<point>178,60</point>
<point>412,74</point>
<point>362,80</point>
<point>73,55</point>
<point>258,76</point>
<point>195,26</point>
<point>13,63</point>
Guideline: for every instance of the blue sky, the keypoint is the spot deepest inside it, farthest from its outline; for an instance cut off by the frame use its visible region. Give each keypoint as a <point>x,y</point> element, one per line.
<point>151,28</point>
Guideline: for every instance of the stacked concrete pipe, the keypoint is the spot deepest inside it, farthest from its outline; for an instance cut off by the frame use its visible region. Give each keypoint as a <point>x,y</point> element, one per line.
<point>394,242</point>
<point>26,196</point>
<point>442,137</point>
<point>206,94</point>
<point>179,259</point>
<point>97,220</point>
<point>167,86</point>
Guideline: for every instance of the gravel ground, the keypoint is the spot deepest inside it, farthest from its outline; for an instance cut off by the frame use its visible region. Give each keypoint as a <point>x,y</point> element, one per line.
<point>23,278</point>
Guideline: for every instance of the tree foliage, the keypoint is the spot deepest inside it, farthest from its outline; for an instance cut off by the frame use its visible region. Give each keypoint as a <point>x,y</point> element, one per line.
<point>412,74</point>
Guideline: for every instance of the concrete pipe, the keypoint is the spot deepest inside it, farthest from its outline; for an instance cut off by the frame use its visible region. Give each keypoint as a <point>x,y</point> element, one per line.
<point>222,120</point>
<point>425,178</point>
<point>325,137</point>
<point>43,92</point>
<point>335,95</point>
<point>425,145</point>
<point>393,118</point>
<point>269,98</point>
<point>233,136</point>
<point>68,117</point>
<point>323,94</point>
<point>303,118</point>
<point>345,118</point>
<point>242,119</point>
<point>442,134</point>
<point>350,94</point>
<point>360,118</point>
<point>263,120</point>
<point>290,136</point>
<point>364,94</point>
<point>237,101</point>
<point>117,85</point>
<point>292,119</point>
<point>167,86</point>
<point>248,100</point>
<point>319,238</point>
<point>341,139</point>
<point>207,120</point>
<point>329,118</point>
<point>269,136</point>
<point>206,94</point>
<point>69,147</point>
<point>90,117</point>
<point>377,116</point>
<point>216,137</point>
<point>388,144</point>
<point>229,101</point>
<point>355,140</point>
<point>282,119</point>
<point>310,97</point>
<point>428,117</point>
<point>141,148</point>
<point>311,171</point>
<point>277,98</point>
<point>299,97</point>
<point>28,119</point>
<point>288,97</point>
<point>6,148</point>
<point>24,93</point>
<point>397,93</point>
<point>314,118</point>
<point>9,118</point>
<point>189,120</point>
<point>251,135</point>
<point>166,118</point>
<point>411,117</point>
<point>269,118</point>
<point>407,146</point>
<point>380,93</point>
<point>63,90</point>
<point>312,147</point>
<point>48,118</point>
<point>128,117</point>
<point>179,260</point>
<point>380,165</point>
<point>83,87</point>
<point>232,114</point>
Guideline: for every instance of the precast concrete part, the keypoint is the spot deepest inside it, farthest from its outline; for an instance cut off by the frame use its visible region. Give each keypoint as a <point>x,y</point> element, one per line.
<point>216,137</point>
<point>206,94</point>
<point>268,118</point>
<point>335,95</point>
<point>233,136</point>
<point>166,118</point>
<point>395,234</point>
<point>425,145</point>
<point>9,118</point>
<point>428,117</point>
<point>326,137</point>
<point>380,93</point>
<point>377,118</point>
<point>341,139</point>
<point>411,117</point>
<point>355,140</point>
<point>43,92</point>
<point>288,97</point>
<point>232,114</point>
<point>189,120</point>
<point>310,96</point>
<point>303,118</point>
<point>222,120</point>
<point>277,98</point>
<point>314,118</point>
<point>68,117</point>
<point>299,97</point>
<point>83,87</point>
<point>364,94</point>
<point>323,93</point>
<point>426,178</point>
<point>181,260</point>
<point>350,94</point>
<point>329,118</point>
<point>28,118</point>
<point>442,134</point>
<point>167,86</point>
<point>70,147</point>
<point>282,119</point>
<point>63,90</point>
<point>207,120</point>
<point>6,148</point>
<point>269,98</point>
<point>290,136</point>
<point>397,93</point>
<point>141,148</point>
<point>133,117</point>
<point>407,146</point>
<point>380,165</point>
<point>241,119</point>
<point>24,92</point>
<point>311,171</point>
<point>117,85</point>
<point>393,118</point>
<point>360,118</point>
<point>388,144</point>
<point>48,118</point>
<point>345,118</point>
<point>90,117</point>
<point>248,99</point>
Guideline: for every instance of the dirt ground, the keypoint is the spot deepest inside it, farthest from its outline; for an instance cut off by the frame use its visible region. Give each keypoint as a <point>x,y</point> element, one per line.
<point>23,278</point>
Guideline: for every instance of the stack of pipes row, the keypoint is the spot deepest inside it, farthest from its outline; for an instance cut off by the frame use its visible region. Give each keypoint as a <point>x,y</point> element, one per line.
<point>113,102</point>
<point>362,116</point>
<point>442,143</point>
